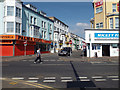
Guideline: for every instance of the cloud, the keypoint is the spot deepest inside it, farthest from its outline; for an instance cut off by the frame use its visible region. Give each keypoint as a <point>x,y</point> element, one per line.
<point>79,28</point>
<point>83,24</point>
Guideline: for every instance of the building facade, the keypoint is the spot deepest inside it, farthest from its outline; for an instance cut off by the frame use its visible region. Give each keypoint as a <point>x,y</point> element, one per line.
<point>103,37</point>
<point>60,34</point>
<point>23,29</point>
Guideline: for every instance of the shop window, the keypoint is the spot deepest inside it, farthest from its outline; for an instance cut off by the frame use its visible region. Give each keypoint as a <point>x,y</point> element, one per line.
<point>114,45</point>
<point>93,47</point>
<point>98,47</point>
<point>114,7</point>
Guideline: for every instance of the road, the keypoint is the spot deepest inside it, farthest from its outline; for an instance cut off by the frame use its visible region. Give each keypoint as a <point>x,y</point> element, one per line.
<point>60,72</point>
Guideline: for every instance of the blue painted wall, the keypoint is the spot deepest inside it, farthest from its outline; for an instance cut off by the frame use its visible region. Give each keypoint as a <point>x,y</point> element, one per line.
<point>26,15</point>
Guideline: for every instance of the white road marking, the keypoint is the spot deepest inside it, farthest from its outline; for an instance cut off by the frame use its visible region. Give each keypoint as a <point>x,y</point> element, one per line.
<point>95,62</point>
<point>47,81</point>
<point>100,79</point>
<point>46,60</point>
<point>20,78</point>
<point>50,78</point>
<point>112,76</point>
<point>115,79</point>
<point>85,80</point>
<point>52,60</point>
<point>2,78</point>
<point>82,77</point>
<point>97,77</point>
<point>66,80</point>
<point>33,78</point>
<point>32,81</point>
<point>66,77</point>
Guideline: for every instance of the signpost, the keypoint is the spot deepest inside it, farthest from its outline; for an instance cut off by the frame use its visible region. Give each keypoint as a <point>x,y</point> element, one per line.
<point>25,44</point>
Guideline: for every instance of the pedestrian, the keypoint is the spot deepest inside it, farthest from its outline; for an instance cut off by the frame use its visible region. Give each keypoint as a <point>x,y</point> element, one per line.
<point>38,57</point>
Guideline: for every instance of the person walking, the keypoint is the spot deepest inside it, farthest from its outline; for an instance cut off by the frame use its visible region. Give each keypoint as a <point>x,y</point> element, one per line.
<point>38,57</point>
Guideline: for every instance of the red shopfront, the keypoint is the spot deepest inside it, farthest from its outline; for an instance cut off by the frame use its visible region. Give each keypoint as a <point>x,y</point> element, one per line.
<point>13,45</point>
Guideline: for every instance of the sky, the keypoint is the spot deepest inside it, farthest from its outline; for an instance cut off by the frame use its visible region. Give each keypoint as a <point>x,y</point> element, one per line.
<point>76,15</point>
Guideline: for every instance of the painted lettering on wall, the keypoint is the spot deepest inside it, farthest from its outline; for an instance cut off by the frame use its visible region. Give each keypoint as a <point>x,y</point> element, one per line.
<point>106,35</point>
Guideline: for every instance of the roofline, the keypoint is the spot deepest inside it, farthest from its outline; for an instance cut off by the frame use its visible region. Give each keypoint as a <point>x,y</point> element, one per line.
<point>101,30</point>
<point>58,20</point>
<point>37,13</point>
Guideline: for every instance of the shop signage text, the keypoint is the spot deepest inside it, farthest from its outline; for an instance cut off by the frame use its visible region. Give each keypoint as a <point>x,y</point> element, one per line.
<point>99,3</point>
<point>106,35</point>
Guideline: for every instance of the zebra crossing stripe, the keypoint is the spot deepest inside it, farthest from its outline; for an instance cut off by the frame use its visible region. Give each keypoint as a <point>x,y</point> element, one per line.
<point>82,77</point>
<point>50,78</point>
<point>19,78</point>
<point>100,79</point>
<point>97,77</point>
<point>85,80</point>
<point>66,77</point>
<point>112,76</point>
<point>48,81</point>
<point>2,78</point>
<point>115,79</point>
<point>33,78</point>
<point>66,80</point>
<point>32,81</point>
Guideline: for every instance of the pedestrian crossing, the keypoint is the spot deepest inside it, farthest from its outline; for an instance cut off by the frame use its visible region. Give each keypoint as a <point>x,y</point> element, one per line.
<point>66,79</point>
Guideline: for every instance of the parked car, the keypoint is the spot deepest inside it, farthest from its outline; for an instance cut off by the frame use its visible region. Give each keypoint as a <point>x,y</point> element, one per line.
<point>67,51</point>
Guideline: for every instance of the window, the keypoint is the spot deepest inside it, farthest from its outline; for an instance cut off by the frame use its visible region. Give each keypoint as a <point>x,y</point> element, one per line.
<point>101,25</point>
<point>18,12</point>
<point>4,11</point>
<point>114,45</point>
<point>10,27</point>
<point>111,23</point>
<point>18,27</point>
<point>54,28</point>
<point>97,25</point>
<point>98,47</point>
<point>42,34</point>
<point>116,22</point>
<point>45,25</point>
<point>35,21</point>
<point>50,27</point>
<point>42,24</point>
<point>50,36</point>
<point>45,34</point>
<point>99,9</point>
<point>114,7</point>
<point>58,29</point>
<point>31,19</point>
<point>55,36</point>
<point>10,10</point>
<point>36,31</point>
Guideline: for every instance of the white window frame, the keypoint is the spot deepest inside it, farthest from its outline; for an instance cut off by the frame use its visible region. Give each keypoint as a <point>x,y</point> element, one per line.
<point>10,27</point>
<point>10,11</point>
<point>18,29</point>
<point>18,12</point>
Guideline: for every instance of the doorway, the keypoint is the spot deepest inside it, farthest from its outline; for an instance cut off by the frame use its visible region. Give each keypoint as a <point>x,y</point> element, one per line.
<point>105,50</point>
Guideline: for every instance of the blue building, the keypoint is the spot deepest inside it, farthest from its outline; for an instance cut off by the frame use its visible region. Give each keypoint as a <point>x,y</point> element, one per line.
<point>24,29</point>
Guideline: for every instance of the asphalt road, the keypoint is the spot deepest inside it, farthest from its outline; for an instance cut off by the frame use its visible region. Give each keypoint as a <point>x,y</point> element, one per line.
<point>57,73</point>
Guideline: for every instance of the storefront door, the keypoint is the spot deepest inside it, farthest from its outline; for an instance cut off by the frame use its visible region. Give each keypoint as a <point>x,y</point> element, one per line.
<point>105,50</point>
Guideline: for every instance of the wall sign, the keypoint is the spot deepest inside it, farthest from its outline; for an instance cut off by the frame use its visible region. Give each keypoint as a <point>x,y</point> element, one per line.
<point>99,3</point>
<point>106,35</point>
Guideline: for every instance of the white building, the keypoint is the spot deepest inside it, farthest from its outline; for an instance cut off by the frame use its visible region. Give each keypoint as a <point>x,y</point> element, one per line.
<point>103,42</point>
<point>60,32</point>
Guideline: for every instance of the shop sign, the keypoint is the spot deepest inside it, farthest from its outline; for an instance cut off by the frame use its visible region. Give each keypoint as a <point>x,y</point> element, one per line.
<point>6,42</point>
<point>99,3</point>
<point>7,37</point>
<point>106,35</point>
<point>118,7</point>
